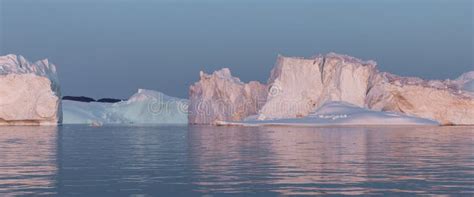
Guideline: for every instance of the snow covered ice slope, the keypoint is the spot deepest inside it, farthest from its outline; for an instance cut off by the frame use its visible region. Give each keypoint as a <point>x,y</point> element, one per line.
<point>337,113</point>
<point>144,107</point>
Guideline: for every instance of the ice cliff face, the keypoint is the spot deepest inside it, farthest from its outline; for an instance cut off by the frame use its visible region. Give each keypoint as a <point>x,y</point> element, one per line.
<point>444,101</point>
<point>144,107</point>
<point>221,97</point>
<point>29,92</point>
<point>298,86</point>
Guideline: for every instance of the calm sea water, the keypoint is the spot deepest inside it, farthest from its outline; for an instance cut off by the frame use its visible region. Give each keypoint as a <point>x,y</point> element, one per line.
<point>214,161</point>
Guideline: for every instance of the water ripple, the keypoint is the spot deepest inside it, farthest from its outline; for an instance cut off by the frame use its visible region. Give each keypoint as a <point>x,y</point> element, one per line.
<point>201,160</point>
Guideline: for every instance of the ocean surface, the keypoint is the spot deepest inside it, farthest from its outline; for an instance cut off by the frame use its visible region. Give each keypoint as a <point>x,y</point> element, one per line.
<point>216,161</point>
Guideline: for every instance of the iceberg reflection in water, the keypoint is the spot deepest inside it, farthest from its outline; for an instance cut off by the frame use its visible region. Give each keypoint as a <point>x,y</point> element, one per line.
<point>28,162</point>
<point>342,160</point>
<point>198,160</point>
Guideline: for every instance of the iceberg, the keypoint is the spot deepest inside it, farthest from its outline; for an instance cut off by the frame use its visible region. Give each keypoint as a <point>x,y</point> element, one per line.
<point>298,86</point>
<point>338,113</point>
<point>29,92</point>
<point>144,107</point>
<point>444,101</point>
<point>220,96</point>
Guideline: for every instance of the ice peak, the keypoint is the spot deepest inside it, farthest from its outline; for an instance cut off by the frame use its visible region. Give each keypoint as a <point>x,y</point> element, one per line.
<point>145,94</point>
<point>18,64</point>
<point>223,73</point>
<point>350,59</point>
<point>467,76</point>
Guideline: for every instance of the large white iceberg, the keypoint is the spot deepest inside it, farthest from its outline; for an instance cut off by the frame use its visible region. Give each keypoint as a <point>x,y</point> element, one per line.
<point>29,92</point>
<point>298,86</point>
<point>220,96</point>
<point>337,113</point>
<point>144,107</point>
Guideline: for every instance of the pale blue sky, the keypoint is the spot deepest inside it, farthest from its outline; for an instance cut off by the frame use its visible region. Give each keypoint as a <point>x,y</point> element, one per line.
<point>110,48</point>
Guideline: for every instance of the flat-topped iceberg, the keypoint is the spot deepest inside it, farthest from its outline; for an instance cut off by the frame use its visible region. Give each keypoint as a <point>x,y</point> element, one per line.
<point>298,86</point>
<point>338,113</point>
<point>144,107</point>
<point>29,92</point>
<point>220,96</point>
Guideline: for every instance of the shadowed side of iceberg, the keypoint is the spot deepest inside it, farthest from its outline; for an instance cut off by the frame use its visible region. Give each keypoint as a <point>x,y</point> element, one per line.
<point>144,107</point>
